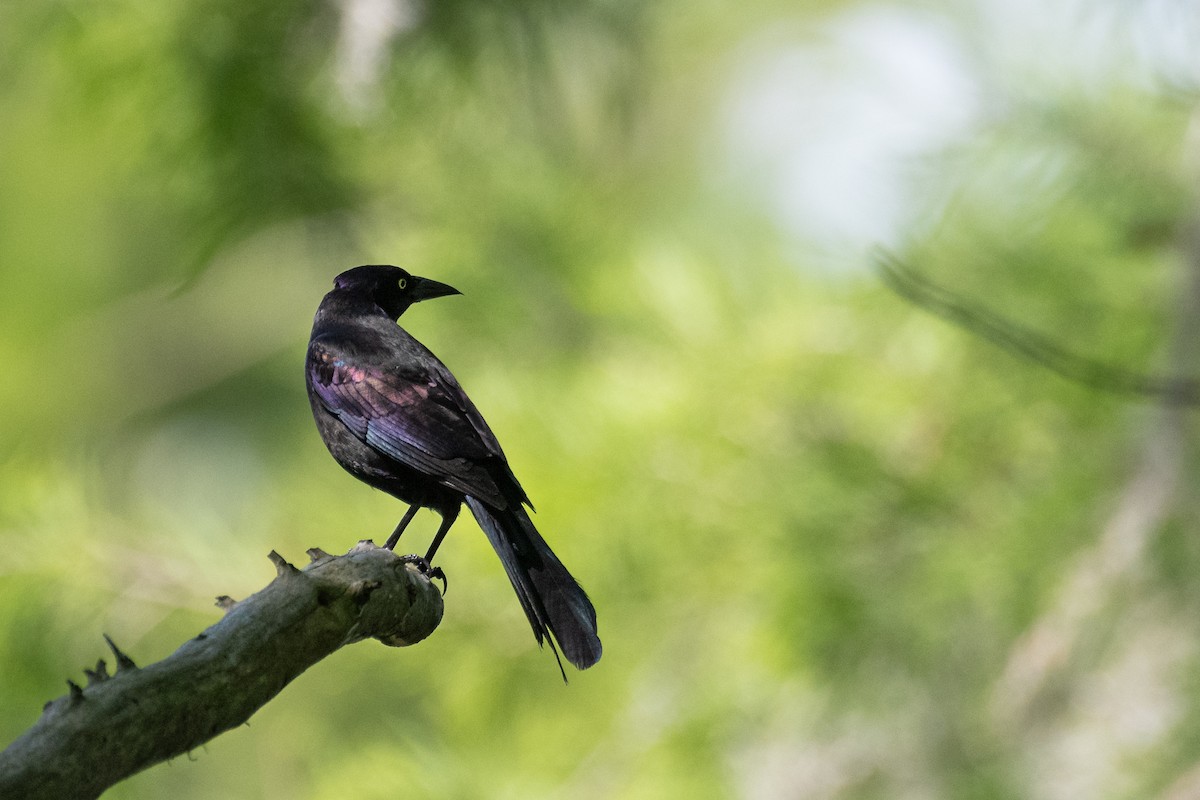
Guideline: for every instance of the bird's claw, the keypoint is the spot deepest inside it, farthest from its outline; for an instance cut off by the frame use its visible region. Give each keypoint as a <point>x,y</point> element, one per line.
<point>430,572</point>
<point>436,572</point>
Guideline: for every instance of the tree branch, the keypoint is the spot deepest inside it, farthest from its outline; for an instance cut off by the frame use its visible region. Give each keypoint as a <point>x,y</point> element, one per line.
<point>1151,495</point>
<point>118,725</point>
<point>1024,342</point>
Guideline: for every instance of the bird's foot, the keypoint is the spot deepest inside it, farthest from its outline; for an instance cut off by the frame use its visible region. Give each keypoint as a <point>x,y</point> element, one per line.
<point>426,569</point>
<point>436,572</point>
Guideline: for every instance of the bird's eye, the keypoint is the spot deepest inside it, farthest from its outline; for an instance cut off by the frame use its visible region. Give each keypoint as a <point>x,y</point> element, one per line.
<point>404,283</point>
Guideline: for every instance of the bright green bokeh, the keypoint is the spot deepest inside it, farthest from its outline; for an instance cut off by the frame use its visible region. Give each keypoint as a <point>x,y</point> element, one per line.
<point>815,521</point>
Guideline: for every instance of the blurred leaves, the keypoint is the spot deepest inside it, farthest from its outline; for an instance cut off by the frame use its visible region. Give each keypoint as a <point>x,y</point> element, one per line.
<point>816,522</point>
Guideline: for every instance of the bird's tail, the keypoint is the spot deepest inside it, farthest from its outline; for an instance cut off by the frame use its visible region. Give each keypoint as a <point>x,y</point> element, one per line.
<point>552,599</point>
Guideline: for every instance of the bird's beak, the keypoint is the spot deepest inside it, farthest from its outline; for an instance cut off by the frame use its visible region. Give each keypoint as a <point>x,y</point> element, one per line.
<point>425,289</point>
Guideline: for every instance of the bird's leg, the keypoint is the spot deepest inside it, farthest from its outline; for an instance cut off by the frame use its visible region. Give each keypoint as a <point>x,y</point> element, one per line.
<point>448,518</point>
<point>425,563</point>
<point>395,537</point>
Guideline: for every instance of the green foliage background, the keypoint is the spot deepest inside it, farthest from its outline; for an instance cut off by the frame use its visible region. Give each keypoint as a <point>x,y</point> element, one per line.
<point>818,524</point>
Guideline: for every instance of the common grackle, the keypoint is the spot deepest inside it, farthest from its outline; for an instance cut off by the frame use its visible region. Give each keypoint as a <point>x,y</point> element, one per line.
<point>394,417</point>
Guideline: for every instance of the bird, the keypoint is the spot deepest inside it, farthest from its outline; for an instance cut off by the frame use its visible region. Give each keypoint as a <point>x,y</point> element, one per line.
<point>393,416</point>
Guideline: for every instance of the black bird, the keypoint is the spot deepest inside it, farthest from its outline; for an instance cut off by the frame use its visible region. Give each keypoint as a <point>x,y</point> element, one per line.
<point>394,417</point>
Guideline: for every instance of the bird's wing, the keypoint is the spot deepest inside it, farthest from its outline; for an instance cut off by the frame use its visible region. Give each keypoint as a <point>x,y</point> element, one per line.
<point>417,416</point>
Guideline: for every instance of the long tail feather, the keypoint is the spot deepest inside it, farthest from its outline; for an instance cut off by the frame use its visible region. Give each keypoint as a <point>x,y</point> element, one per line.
<point>553,601</point>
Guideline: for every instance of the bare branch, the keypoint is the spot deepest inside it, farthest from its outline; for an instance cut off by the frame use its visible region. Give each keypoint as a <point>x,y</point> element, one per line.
<point>974,317</point>
<point>120,724</point>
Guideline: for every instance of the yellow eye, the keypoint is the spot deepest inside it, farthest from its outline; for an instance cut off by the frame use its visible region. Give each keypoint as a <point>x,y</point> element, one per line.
<point>403,283</point>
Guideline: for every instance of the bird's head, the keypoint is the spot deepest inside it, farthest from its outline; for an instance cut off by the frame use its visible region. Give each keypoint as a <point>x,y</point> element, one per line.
<point>391,288</point>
